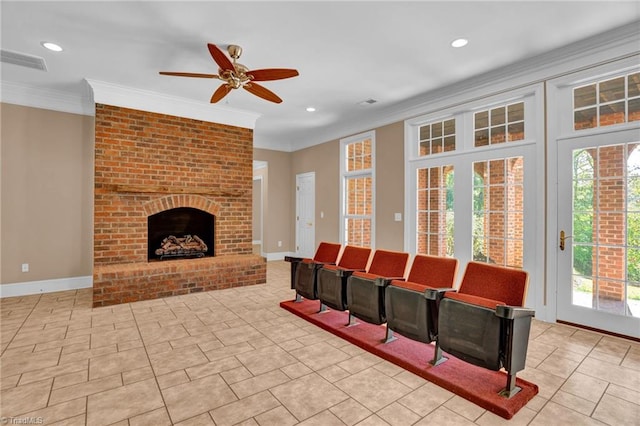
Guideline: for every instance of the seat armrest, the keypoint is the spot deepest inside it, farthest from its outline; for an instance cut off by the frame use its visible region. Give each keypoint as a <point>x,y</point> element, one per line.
<point>347,272</point>
<point>513,312</point>
<point>293,259</point>
<point>385,281</point>
<point>318,265</point>
<point>436,293</point>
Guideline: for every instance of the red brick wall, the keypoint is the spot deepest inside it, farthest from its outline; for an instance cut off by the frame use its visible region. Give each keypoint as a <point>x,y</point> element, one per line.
<point>143,148</point>
<point>155,150</point>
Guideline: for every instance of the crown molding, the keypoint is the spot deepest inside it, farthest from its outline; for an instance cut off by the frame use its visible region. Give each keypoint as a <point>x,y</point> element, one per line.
<point>127,97</point>
<point>610,46</point>
<point>31,96</point>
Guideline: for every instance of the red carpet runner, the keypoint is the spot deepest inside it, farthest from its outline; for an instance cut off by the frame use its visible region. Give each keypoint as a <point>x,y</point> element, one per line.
<point>475,384</point>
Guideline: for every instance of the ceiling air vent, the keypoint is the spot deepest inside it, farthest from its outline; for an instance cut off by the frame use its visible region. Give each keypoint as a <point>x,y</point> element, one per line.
<point>23,60</point>
<point>367,102</point>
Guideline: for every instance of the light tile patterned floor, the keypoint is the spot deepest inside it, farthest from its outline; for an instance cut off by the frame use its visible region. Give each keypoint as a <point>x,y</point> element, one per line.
<point>235,357</point>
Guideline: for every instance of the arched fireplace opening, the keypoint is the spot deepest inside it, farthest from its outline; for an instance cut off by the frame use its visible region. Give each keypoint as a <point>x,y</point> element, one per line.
<point>182,232</point>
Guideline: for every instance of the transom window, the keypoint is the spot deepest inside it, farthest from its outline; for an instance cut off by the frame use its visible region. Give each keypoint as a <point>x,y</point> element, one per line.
<point>499,125</point>
<point>438,137</point>
<point>607,102</point>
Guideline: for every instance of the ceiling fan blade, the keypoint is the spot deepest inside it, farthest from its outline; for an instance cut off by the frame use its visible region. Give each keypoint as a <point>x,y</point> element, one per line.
<point>272,74</point>
<point>220,93</point>
<point>189,74</point>
<point>262,92</point>
<point>221,59</point>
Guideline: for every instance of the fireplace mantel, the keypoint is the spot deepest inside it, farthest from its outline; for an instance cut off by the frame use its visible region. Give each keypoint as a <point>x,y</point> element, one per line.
<point>164,189</point>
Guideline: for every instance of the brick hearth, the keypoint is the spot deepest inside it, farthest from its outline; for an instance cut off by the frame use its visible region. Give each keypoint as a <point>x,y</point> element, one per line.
<point>146,163</point>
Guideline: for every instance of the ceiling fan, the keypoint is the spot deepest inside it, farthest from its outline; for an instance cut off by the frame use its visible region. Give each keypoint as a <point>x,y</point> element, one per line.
<point>235,75</point>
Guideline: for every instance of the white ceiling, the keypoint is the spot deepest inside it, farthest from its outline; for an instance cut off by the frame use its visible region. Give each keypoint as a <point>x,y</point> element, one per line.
<point>346,52</point>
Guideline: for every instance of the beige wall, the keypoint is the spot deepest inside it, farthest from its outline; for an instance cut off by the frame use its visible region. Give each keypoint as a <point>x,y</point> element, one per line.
<point>324,160</point>
<point>277,208</point>
<point>390,186</point>
<point>46,192</point>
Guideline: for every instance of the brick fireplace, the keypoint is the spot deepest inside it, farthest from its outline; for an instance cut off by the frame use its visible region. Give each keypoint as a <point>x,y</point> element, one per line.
<point>148,164</point>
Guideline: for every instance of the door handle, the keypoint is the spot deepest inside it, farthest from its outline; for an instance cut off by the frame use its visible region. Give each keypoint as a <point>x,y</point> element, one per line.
<point>563,238</point>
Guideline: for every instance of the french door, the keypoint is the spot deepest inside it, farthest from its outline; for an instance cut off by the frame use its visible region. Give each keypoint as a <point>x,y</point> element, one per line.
<point>598,241</point>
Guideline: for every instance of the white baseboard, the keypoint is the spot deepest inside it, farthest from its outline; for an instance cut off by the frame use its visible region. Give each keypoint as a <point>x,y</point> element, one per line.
<point>277,255</point>
<point>45,286</point>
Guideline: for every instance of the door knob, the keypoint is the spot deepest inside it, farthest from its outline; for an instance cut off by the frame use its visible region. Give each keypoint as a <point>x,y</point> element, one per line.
<point>563,238</point>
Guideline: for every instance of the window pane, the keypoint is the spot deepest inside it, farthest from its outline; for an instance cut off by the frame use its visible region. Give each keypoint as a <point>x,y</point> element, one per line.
<point>516,112</point>
<point>606,227</point>
<point>507,125</point>
<point>633,83</point>
<point>612,90</point>
<point>435,211</point>
<point>584,96</point>
<point>498,211</point>
<point>516,132</point>
<point>450,127</point>
<point>498,116</point>
<point>481,119</point>
<point>634,110</point>
<point>359,155</point>
<point>584,119</point>
<point>612,114</point>
<point>482,137</point>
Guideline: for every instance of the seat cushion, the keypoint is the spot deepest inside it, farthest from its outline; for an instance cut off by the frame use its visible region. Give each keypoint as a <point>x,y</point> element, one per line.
<point>365,275</point>
<point>474,300</point>
<point>419,288</point>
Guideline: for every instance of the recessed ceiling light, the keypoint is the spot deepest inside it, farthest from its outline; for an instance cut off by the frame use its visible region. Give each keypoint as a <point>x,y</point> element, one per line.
<point>51,46</point>
<point>460,42</point>
<point>311,109</point>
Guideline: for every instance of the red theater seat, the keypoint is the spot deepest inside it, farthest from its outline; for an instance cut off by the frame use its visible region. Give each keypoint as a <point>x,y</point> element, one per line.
<point>409,310</point>
<point>366,290</point>
<point>484,323</point>
<point>332,279</point>
<point>307,270</point>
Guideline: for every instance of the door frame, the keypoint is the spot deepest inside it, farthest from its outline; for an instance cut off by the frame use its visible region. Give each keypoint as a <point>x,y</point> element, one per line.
<point>568,312</point>
<point>300,176</point>
<point>559,126</point>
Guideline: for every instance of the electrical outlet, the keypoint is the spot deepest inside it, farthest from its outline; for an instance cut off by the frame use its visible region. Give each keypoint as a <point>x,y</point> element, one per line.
<point>279,243</point>
<point>25,267</point>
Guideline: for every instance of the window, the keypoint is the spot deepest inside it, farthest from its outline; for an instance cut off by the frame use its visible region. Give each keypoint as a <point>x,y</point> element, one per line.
<point>479,201</point>
<point>498,214</point>
<point>499,125</point>
<point>438,137</point>
<point>357,190</point>
<point>435,211</point>
<point>607,102</point>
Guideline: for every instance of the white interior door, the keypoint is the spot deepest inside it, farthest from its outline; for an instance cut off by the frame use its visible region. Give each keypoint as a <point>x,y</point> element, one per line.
<point>305,214</point>
<point>599,214</point>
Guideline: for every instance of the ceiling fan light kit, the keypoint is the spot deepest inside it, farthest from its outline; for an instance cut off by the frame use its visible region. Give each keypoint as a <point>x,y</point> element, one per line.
<point>235,75</point>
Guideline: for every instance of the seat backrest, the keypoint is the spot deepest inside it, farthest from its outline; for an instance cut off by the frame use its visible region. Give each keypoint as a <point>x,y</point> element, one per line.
<point>434,271</point>
<point>355,257</point>
<point>495,282</point>
<point>388,263</point>
<point>327,252</point>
